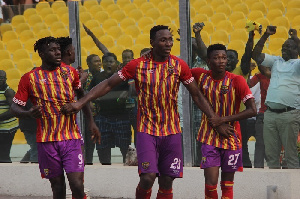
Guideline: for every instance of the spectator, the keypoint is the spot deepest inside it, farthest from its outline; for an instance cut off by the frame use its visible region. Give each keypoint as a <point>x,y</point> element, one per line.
<point>112,119</point>
<point>263,78</point>
<point>282,118</point>
<point>8,123</point>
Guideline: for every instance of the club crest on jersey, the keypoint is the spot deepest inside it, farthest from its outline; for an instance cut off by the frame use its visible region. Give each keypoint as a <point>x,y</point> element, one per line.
<point>64,75</point>
<point>46,171</point>
<point>224,89</point>
<point>145,165</point>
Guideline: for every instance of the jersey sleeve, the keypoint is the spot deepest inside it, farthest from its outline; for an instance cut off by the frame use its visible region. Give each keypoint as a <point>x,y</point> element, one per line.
<point>76,84</point>
<point>22,94</point>
<point>196,72</point>
<point>128,71</point>
<point>242,88</point>
<point>185,75</point>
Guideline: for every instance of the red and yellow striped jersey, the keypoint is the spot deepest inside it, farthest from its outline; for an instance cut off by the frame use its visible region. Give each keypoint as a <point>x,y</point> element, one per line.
<point>157,85</point>
<point>225,97</point>
<point>51,90</point>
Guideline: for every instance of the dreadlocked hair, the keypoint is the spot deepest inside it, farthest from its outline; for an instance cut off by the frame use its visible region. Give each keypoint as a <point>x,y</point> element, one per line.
<point>157,28</point>
<point>39,44</point>
<point>64,42</point>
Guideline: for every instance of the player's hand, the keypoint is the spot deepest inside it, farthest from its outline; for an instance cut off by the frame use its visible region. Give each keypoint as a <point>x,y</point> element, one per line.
<point>95,133</point>
<point>35,111</point>
<point>197,27</point>
<point>70,108</point>
<point>82,74</point>
<point>271,30</point>
<point>225,130</point>
<point>215,121</point>
<point>293,33</point>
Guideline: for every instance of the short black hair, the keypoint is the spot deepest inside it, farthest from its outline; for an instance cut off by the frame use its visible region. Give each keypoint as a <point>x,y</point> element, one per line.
<point>89,58</point>
<point>128,50</point>
<point>214,47</point>
<point>157,28</point>
<point>64,43</point>
<point>39,44</point>
<point>109,55</point>
<point>235,52</point>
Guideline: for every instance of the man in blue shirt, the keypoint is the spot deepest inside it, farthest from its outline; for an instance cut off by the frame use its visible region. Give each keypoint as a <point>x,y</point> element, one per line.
<point>282,118</point>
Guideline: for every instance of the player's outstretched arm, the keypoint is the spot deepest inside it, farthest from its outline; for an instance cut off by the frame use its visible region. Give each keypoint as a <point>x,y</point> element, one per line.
<point>257,54</point>
<point>98,91</point>
<point>246,58</point>
<point>202,49</point>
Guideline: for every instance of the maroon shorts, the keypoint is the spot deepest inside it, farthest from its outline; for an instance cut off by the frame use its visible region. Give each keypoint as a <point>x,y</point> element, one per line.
<point>55,157</point>
<point>160,154</point>
<point>228,160</point>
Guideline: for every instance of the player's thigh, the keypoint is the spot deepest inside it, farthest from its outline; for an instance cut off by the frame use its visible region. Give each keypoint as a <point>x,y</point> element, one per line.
<point>170,161</point>
<point>147,153</point>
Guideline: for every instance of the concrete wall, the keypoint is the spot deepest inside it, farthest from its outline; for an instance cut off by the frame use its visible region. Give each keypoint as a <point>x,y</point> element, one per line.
<point>118,181</point>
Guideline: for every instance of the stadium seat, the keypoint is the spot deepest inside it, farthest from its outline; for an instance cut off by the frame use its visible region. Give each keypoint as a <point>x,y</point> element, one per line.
<point>155,2</point>
<point>224,8</point>
<point>147,28</point>
<point>20,54</point>
<point>277,5</point>
<point>82,32</point>
<point>25,65</point>
<point>176,49</point>
<point>143,39</point>
<point>139,2</point>
<point>153,13</point>
<point>123,3</point>
<point>292,13</point>
<point>146,6</point>
<point>218,17</point>
<point>205,37</point>
<point>92,23</point>
<point>101,16</point>
<point>125,40</point>
<point>268,2</point>
<point>57,5</point>
<point>249,3</point>
<point>94,9</point>
<point>9,35</point>
<point>295,21</point>
<point>216,3</point>
<point>192,12</point>
<point>6,27</point>
<point>275,44</point>
<point>240,24</point>
<point>108,23</point>
<point>111,8</point>
<point>134,31</point>
<point>14,45</point>
<point>237,45</point>
<point>293,4</point>
<point>207,9</point>
<point>4,54</point>
<point>144,21</point>
<point>65,19</point>
<point>36,59</point>
<point>172,13</point>
<point>83,63</point>
<point>13,84</point>
<point>88,4</point>
<point>118,15</point>
<point>272,14</point>
<point>127,22</point>
<point>107,40</point>
<point>163,20</point>
<point>98,31</point>
<point>281,21</point>
<point>84,52</point>
<point>45,12</point>
<point>199,18</point>
<point>26,34</point>
<point>117,50</point>
<point>44,33</point>
<point>241,7</point>
<point>239,34</point>
<point>209,27</point>
<point>82,9</point>
<point>137,49</point>
<point>17,19</point>
<point>85,16</point>
<point>21,27</point>
<point>164,5</point>
<point>28,12</point>
<point>6,64</point>
<point>136,14</point>
<point>105,3</point>
<point>173,28</point>
<point>61,32</point>
<point>2,46</point>
<point>28,45</point>
<point>232,3</point>
<point>35,19</point>
<point>115,31</point>
<point>95,50</point>
<point>41,5</point>
<point>225,25</point>
<point>57,25</point>
<point>13,73</point>
<point>197,4</point>
<point>264,22</point>
<point>281,32</point>
<point>39,26</point>
<point>261,6</point>
<point>51,18</point>
<point>220,36</point>
<point>129,7</point>
<point>255,14</point>
<point>61,11</point>
<point>236,16</point>
<point>87,42</point>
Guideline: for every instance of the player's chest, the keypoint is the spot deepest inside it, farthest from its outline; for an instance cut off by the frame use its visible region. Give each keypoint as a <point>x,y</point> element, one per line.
<point>217,88</point>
